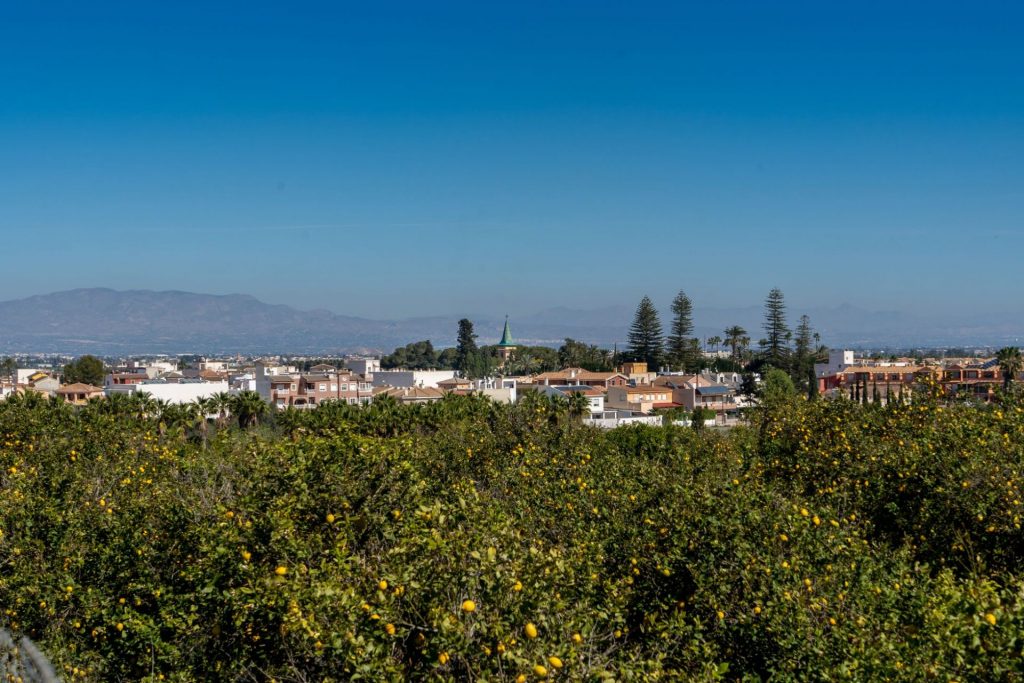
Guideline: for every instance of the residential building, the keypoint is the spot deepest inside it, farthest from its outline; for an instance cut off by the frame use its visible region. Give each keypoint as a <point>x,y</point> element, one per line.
<point>637,372</point>
<point>572,376</point>
<point>78,393</point>
<point>882,381</point>
<point>595,397</point>
<point>125,378</point>
<point>639,399</point>
<point>185,391</point>
<point>690,391</point>
<point>611,419</point>
<point>363,366</point>
<point>411,395</point>
<point>308,390</point>
<point>411,378</point>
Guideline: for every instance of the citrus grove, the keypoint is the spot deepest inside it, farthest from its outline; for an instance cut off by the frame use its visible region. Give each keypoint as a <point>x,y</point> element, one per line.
<point>465,540</point>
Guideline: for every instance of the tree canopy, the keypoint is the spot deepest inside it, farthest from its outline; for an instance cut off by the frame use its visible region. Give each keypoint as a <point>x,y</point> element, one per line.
<point>577,354</point>
<point>775,345</point>
<point>645,338</point>
<point>682,349</point>
<point>85,369</point>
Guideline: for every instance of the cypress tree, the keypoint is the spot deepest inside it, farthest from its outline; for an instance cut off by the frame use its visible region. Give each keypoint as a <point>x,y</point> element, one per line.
<point>645,340</point>
<point>466,352</point>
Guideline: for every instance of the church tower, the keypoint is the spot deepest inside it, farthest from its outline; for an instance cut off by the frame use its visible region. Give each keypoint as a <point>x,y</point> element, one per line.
<point>506,346</point>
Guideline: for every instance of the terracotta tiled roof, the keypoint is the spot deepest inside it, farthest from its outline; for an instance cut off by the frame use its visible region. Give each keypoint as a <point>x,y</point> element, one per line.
<point>79,388</point>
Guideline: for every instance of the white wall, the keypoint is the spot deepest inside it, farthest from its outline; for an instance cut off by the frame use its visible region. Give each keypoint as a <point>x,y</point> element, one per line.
<point>363,366</point>
<point>25,373</point>
<point>612,423</point>
<point>172,393</point>
<point>411,378</point>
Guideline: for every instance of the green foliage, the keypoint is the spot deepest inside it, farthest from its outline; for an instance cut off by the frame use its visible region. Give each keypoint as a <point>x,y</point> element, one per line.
<point>645,339</point>
<point>576,354</point>
<point>829,542</point>
<point>469,359</point>
<point>776,387</point>
<point>527,359</point>
<point>415,356</point>
<point>682,350</point>
<point>1010,364</point>
<point>86,369</point>
<point>775,346</point>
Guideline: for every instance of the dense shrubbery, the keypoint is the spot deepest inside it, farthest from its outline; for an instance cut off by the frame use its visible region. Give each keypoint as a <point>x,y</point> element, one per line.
<point>829,541</point>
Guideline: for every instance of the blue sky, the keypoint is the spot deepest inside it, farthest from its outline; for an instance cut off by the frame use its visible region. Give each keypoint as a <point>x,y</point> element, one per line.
<point>398,159</point>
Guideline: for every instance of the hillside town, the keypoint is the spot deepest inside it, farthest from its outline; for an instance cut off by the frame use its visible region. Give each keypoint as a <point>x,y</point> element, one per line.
<point>629,393</point>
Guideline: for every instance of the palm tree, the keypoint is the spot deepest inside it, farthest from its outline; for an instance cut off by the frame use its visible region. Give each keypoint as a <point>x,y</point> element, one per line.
<point>714,342</point>
<point>249,406</point>
<point>204,406</point>
<point>733,338</point>
<point>1010,364</point>
<point>222,405</point>
<point>579,405</point>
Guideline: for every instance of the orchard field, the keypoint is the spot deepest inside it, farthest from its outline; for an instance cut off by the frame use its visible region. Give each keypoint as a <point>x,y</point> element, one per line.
<point>465,540</point>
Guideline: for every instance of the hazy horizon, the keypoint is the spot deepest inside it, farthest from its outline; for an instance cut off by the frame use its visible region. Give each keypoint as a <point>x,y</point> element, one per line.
<point>405,160</point>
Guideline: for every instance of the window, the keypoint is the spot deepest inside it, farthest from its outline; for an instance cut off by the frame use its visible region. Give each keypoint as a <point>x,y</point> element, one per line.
<point>323,387</point>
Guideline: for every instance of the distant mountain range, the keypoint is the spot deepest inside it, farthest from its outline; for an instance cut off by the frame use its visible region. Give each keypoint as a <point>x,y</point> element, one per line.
<point>110,322</point>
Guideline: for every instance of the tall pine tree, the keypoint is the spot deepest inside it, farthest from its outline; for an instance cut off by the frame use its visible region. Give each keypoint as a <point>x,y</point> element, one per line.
<point>681,346</point>
<point>645,340</point>
<point>803,354</point>
<point>775,345</point>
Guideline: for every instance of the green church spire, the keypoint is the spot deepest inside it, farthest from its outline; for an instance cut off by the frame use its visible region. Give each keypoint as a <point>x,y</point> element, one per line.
<point>506,336</point>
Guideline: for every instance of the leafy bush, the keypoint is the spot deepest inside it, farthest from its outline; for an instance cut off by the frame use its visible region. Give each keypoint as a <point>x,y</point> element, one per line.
<point>470,540</point>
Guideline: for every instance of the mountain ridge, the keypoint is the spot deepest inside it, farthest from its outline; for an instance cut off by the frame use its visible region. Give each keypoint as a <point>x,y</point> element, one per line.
<point>109,321</point>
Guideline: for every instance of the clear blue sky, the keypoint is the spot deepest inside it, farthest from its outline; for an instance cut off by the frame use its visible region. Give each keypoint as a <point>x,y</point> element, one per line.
<point>393,159</point>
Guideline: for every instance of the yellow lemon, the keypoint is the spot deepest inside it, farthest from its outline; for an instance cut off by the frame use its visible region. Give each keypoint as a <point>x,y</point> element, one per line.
<point>555,662</point>
<point>246,555</point>
<point>991,619</point>
<point>383,585</point>
<point>443,658</point>
<point>517,586</point>
<point>389,629</point>
<point>530,630</point>
<point>577,638</point>
<point>330,518</point>
<point>281,570</point>
<point>468,606</point>
<point>540,670</point>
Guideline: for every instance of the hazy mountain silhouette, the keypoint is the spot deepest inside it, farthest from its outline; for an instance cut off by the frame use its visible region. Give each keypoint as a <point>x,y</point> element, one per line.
<point>107,321</point>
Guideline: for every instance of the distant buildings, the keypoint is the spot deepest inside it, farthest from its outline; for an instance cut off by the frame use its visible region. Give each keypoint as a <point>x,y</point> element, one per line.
<point>308,390</point>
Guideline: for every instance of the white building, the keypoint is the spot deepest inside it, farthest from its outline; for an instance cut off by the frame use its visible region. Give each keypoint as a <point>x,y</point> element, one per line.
<point>595,397</point>
<point>25,373</point>
<point>364,366</point>
<point>838,360</point>
<point>610,419</point>
<point>181,392</point>
<point>411,378</point>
